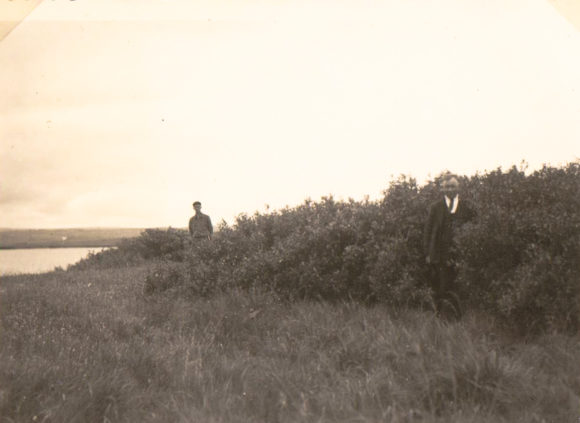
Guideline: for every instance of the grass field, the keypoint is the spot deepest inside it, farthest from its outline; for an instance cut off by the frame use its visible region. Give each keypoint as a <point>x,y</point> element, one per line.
<point>87,346</point>
<point>62,238</point>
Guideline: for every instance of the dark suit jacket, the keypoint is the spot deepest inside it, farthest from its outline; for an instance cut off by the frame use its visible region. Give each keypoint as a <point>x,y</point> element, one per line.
<point>438,234</point>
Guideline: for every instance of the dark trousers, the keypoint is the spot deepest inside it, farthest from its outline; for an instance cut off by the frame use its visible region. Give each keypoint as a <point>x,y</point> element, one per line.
<point>442,279</point>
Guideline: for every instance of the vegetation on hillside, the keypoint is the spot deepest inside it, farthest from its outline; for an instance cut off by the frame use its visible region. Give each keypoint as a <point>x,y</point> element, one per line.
<point>519,260</point>
<point>64,238</point>
<point>317,313</point>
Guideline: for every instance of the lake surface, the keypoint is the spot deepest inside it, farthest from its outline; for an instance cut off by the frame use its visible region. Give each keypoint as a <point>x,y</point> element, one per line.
<point>39,260</point>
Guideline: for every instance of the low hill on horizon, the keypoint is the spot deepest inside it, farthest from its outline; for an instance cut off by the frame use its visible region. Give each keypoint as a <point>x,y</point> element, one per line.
<point>65,237</point>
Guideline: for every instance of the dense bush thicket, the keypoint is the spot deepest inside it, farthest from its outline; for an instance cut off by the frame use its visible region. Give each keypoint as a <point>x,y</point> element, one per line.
<point>519,260</point>
<point>152,244</point>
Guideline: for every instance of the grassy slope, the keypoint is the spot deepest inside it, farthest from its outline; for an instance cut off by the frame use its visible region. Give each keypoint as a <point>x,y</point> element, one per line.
<point>53,238</point>
<point>87,346</point>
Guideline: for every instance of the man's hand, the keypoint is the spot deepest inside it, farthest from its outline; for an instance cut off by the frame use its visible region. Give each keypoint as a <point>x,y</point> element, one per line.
<point>428,259</point>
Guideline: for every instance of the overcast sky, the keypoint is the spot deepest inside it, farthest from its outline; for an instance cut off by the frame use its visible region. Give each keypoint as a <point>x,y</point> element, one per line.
<point>123,112</point>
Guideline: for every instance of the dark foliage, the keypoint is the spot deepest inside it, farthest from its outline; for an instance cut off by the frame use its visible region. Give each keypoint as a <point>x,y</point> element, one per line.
<point>519,260</point>
<point>152,244</point>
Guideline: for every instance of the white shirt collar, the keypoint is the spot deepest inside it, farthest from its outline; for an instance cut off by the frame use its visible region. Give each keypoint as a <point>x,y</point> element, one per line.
<point>454,205</point>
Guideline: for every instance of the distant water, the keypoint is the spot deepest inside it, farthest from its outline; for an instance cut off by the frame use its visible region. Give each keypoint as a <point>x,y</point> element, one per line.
<point>39,260</point>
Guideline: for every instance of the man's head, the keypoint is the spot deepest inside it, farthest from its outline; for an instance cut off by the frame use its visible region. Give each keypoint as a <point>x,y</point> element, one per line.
<point>196,206</point>
<point>450,185</point>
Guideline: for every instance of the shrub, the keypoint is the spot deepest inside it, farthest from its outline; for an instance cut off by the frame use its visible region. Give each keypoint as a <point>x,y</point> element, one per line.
<point>124,255</point>
<point>166,244</point>
<point>164,276</point>
<point>170,244</point>
<point>519,259</point>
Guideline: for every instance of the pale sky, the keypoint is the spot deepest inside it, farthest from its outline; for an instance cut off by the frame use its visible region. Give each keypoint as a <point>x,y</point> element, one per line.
<point>123,112</point>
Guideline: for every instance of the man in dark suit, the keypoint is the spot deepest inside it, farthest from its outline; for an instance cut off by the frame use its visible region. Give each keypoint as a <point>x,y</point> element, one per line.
<point>445,216</point>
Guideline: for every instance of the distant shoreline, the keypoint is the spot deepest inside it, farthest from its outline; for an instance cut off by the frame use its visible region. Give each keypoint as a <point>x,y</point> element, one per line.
<point>32,247</point>
<point>11,239</point>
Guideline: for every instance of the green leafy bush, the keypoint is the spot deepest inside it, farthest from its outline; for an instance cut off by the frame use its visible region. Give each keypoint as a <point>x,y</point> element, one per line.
<point>519,259</point>
<point>164,276</point>
<point>126,254</point>
<point>163,244</point>
<point>166,244</point>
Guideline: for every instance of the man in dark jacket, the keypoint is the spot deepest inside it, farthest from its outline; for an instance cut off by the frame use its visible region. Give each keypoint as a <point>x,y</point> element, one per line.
<point>445,216</point>
<point>200,226</point>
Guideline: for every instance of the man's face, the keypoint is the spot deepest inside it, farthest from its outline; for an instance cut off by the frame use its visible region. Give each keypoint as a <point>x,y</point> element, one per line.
<point>450,187</point>
<point>197,208</point>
